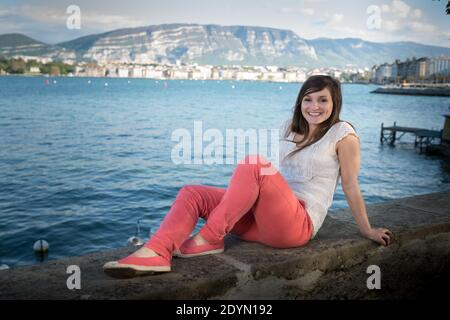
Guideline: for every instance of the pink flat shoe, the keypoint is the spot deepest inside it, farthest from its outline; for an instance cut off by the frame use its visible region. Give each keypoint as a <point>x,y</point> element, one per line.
<point>132,266</point>
<point>191,249</point>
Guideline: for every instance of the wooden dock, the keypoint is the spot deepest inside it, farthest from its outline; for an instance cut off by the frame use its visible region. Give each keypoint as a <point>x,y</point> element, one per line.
<point>423,137</point>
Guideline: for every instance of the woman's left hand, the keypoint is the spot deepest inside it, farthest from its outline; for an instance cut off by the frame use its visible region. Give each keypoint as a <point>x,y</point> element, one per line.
<point>380,235</point>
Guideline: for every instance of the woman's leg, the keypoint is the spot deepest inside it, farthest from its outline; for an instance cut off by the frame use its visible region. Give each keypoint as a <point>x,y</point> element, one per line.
<point>192,202</point>
<point>264,205</point>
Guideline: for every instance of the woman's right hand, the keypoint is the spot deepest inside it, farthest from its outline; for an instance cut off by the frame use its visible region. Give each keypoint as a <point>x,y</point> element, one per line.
<point>380,235</point>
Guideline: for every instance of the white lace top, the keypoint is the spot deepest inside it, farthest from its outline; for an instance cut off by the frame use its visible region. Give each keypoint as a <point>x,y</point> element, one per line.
<point>313,173</point>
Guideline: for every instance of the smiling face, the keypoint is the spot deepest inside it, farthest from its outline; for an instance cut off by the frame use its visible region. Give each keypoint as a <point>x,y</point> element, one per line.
<point>317,107</point>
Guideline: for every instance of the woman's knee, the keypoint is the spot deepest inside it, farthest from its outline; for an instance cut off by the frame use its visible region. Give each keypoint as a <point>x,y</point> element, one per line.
<point>257,161</point>
<point>188,192</point>
<point>254,159</point>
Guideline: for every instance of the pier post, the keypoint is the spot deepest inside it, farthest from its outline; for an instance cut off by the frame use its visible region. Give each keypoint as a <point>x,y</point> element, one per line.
<point>446,131</point>
<point>382,133</point>
<point>394,134</point>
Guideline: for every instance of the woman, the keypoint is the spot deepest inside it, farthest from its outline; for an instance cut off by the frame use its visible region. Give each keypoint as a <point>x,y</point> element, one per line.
<point>281,209</point>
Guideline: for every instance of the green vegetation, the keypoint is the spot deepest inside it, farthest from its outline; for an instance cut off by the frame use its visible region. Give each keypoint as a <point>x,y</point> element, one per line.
<point>20,66</point>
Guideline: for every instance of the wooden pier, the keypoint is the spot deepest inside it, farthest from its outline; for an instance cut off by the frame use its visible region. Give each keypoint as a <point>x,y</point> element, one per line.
<point>423,137</point>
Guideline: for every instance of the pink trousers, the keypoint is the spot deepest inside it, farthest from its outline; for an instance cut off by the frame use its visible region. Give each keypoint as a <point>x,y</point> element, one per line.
<point>256,207</point>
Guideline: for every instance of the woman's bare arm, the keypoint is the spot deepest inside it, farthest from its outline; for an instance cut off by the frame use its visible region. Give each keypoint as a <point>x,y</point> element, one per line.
<point>349,160</point>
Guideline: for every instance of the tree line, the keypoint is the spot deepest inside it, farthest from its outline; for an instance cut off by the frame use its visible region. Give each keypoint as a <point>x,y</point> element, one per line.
<point>20,66</point>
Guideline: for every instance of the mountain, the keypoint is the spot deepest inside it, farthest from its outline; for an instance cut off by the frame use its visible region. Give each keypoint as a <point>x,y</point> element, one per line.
<point>16,44</point>
<point>219,45</point>
<point>365,53</point>
<point>205,44</point>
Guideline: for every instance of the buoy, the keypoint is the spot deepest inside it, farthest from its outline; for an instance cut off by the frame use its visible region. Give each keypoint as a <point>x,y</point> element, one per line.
<point>136,240</point>
<point>156,81</point>
<point>165,84</point>
<point>106,84</point>
<point>4,267</point>
<point>232,87</point>
<point>41,246</point>
<point>129,81</point>
<point>54,81</point>
<point>47,82</point>
<point>281,88</point>
<point>89,81</point>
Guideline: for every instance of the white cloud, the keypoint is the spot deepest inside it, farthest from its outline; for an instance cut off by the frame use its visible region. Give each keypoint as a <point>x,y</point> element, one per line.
<point>400,8</point>
<point>421,27</point>
<point>416,14</point>
<point>405,21</point>
<point>302,11</point>
<point>308,11</point>
<point>91,20</point>
<point>337,17</point>
<point>385,8</point>
<point>391,25</point>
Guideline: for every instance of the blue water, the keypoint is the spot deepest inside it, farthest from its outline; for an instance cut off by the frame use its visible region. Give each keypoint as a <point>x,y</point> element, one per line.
<point>80,163</point>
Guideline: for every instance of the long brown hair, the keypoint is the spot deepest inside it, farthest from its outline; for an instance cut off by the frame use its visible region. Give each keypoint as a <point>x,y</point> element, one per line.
<point>300,125</point>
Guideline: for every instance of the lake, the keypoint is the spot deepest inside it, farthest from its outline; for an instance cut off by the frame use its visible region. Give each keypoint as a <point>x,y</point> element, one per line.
<point>82,161</point>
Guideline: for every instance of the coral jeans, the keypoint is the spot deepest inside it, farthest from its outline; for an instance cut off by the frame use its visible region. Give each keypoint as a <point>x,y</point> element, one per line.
<point>257,206</point>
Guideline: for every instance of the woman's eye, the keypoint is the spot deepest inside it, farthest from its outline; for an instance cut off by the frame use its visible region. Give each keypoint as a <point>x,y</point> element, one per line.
<point>324,100</point>
<point>307,100</point>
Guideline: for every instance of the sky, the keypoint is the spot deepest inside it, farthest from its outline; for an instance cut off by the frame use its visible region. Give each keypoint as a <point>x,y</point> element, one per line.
<point>422,21</point>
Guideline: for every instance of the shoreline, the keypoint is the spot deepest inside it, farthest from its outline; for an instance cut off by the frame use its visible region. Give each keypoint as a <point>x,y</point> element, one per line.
<point>425,91</point>
<point>159,79</point>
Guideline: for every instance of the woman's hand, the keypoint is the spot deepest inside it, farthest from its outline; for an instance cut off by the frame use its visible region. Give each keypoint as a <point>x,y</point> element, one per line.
<point>380,235</point>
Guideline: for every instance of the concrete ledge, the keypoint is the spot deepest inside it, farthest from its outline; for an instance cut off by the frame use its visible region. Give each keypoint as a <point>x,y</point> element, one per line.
<point>331,266</point>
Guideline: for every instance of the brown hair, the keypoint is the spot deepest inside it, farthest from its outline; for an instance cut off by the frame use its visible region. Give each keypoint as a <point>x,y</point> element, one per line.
<point>300,125</point>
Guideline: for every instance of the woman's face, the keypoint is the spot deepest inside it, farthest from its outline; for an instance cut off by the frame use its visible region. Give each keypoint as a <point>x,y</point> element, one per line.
<point>317,107</point>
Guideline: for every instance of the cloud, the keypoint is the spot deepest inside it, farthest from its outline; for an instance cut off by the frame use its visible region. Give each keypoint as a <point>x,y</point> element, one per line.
<point>92,20</point>
<point>416,14</point>
<point>405,21</point>
<point>420,27</point>
<point>49,24</point>
<point>400,8</point>
<point>301,11</point>
<point>337,17</point>
<point>392,25</point>
<point>330,20</point>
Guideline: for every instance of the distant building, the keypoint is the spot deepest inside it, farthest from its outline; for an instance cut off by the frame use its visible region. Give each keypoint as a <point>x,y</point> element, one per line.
<point>409,70</point>
<point>248,75</point>
<point>179,74</point>
<point>35,70</point>
<point>154,73</point>
<point>394,71</point>
<point>136,72</point>
<point>383,73</point>
<point>123,72</point>
<point>438,66</point>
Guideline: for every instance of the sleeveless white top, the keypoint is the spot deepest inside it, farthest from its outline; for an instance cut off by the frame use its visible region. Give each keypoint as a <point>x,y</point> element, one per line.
<point>313,173</point>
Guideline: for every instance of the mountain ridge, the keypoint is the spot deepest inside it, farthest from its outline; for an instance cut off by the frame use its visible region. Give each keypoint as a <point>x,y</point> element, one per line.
<point>217,44</point>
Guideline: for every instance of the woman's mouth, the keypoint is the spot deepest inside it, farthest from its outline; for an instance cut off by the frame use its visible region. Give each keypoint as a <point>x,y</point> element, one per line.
<point>314,114</point>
